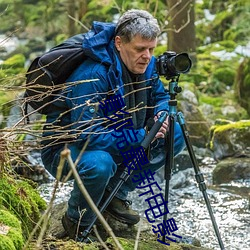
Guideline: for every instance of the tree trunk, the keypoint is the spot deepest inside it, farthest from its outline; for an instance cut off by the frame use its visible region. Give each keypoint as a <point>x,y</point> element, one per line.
<point>71,6</point>
<point>83,7</point>
<point>181,27</point>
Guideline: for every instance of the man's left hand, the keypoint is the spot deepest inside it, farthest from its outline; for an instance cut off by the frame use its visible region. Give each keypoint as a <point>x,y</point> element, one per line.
<point>163,129</point>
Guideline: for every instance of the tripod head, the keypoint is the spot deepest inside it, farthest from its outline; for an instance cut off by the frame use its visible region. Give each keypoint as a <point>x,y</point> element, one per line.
<point>174,89</point>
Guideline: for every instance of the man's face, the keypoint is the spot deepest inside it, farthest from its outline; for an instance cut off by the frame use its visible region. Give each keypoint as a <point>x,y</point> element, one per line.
<point>137,53</point>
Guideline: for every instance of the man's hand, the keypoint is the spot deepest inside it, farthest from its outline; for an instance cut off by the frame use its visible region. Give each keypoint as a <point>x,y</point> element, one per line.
<point>164,128</point>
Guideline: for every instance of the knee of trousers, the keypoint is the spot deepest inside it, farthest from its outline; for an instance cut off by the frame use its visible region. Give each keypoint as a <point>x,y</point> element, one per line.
<point>98,165</point>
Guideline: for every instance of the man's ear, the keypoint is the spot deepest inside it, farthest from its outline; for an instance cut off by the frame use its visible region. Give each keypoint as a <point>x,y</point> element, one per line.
<point>118,42</point>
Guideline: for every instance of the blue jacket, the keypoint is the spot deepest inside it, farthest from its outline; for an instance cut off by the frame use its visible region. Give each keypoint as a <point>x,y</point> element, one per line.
<point>85,119</point>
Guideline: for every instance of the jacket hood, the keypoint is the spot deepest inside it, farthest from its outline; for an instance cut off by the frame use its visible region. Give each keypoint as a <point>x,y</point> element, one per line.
<point>98,43</point>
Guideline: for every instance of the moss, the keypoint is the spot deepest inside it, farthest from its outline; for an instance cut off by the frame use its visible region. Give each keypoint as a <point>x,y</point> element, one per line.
<point>9,219</point>
<point>22,200</point>
<point>229,45</point>
<point>234,125</point>
<point>225,75</point>
<point>220,132</point>
<point>16,237</point>
<point>13,239</point>
<point>6,243</point>
<point>128,244</point>
<point>214,101</point>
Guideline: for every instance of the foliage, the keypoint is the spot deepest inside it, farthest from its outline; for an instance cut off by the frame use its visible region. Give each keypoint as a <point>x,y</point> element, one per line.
<point>12,69</point>
<point>242,84</point>
<point>228,23</point>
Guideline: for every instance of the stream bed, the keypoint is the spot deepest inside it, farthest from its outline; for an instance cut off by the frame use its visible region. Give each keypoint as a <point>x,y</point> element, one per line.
<point>230,204</point>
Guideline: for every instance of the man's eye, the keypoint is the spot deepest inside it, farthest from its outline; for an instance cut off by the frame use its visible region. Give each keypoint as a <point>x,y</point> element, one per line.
<point>139,50</point>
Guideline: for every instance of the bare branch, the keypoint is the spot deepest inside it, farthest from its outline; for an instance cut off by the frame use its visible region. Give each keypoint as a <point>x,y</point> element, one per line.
<point>66,154</point>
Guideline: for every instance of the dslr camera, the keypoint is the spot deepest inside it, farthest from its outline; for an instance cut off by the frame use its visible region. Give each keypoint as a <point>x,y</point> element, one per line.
<point>171,65</point>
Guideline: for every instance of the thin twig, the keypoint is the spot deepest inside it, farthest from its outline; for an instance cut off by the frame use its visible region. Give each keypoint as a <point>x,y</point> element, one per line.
<point>137,236</point>
<point>66,154</point>
<point>99,238</point>
<point>77,21</point>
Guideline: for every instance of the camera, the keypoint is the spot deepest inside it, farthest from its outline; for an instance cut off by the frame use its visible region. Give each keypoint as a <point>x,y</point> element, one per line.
<point>171,65</point>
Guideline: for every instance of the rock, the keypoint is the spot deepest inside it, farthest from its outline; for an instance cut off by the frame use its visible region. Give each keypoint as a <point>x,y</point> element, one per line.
<point>197,125</point>
<point>231,169</point>
<point>190,96</point>
<point>232,139</point>
<point>181,179</point>
<point>126,235</point>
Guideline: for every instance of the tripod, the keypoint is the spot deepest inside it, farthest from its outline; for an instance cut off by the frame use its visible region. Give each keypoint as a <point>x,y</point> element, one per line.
<point>172,115</point>
<point>169,163</point>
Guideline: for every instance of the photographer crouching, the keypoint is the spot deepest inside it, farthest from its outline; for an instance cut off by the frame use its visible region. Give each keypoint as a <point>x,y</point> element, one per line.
<point>122,69</point>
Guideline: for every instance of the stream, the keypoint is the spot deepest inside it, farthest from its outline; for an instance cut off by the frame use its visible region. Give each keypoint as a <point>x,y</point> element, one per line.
<point>230,204</point>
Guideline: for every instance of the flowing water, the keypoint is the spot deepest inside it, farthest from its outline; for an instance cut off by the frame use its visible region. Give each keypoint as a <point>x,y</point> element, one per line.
<point>230,204</point>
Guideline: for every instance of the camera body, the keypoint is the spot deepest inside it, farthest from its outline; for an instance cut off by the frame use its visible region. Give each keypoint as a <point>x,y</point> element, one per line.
<point>171,65</point>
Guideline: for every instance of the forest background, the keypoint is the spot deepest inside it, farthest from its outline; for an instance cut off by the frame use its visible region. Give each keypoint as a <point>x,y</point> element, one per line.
<point>214,33</point>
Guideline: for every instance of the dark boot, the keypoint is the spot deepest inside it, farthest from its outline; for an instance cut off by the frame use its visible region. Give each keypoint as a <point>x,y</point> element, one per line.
<point>120,210</point>
<point>75,231</point>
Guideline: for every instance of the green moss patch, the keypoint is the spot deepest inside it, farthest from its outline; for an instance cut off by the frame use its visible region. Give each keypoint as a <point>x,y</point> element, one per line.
<point>10,231</point>
<point>22,200</point>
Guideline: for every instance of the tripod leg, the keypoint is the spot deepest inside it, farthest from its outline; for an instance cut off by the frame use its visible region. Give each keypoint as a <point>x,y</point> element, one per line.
<point>124,176</point>
<point>169,163</point>
<point>199,176</point>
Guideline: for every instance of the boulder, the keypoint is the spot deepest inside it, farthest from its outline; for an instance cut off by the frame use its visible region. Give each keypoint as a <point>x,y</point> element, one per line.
<point>231,139</point>
<point>231,169</point>
<point>126,235</point>
<point>197,125</point>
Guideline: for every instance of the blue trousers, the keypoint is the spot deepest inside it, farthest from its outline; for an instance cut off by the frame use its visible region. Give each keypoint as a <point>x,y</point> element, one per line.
<point>99,170</point>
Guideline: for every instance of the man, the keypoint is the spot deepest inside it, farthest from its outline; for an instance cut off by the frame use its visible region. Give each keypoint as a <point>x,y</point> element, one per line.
<point>120,63</point>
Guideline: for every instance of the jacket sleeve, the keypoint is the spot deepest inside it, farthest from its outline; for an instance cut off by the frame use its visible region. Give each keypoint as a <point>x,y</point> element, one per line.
<point>88,122</point>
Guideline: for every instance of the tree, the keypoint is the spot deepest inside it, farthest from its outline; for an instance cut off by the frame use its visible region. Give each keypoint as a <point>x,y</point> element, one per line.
<point>181,26</point>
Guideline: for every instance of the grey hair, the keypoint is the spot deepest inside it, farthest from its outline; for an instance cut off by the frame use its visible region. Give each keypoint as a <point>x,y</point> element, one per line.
<point>137,22</point>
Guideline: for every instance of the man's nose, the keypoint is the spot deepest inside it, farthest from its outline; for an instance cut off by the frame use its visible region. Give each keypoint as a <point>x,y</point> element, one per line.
<point>146,54</point>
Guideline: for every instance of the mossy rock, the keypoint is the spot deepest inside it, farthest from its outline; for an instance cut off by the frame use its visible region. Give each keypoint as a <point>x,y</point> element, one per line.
<point>232,139</point>
<point>21,199</point>
<point>11,237</point>
<point>149,244</point>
